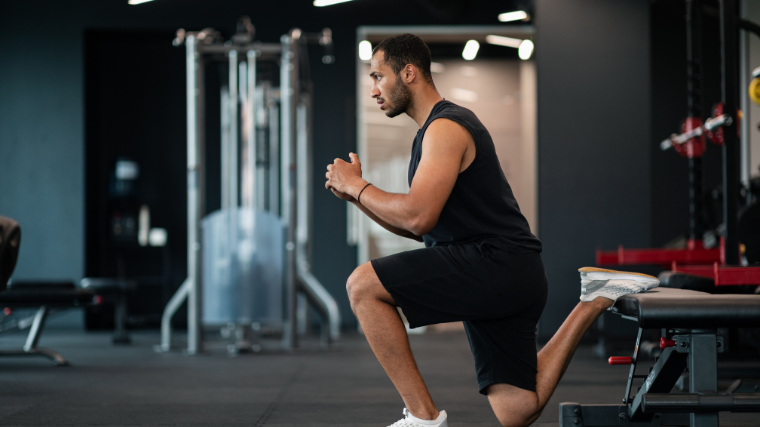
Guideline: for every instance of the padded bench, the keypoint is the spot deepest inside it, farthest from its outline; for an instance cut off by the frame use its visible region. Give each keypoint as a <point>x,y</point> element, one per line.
<point>691,319</point>
<point>43,296</point>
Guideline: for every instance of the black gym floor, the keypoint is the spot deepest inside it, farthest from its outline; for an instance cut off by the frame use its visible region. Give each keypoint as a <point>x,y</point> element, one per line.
<point>345,386</point>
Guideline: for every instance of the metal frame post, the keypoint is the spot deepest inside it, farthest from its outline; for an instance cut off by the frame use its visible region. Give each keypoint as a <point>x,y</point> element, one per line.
<point>232,154</point>
<point>251,148</point>
<point>288,94</point>
<point>191,288</point>
<point>694,102</point>
<point>243,141</point>
<point>730,92</point>
<point>195,183</point>
<point>225,144</point>
<point>274,152</point>
<point>744,79</point>
<point>234,133</point>
<point>303,193</point>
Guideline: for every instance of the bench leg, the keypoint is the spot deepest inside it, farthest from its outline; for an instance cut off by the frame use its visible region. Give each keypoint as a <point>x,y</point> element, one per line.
<point>703,374</point>
<point>120,335</point>
<point>30,347</point>
<point>36,330</point>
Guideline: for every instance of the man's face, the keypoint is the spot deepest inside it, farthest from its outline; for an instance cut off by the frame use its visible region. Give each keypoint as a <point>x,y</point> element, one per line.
<point>388,89</point>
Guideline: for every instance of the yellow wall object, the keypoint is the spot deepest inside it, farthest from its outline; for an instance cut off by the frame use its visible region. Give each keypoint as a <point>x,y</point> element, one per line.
<point>754,90</point>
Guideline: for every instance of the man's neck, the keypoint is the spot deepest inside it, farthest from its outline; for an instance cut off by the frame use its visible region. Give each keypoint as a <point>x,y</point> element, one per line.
<point>422,104</point>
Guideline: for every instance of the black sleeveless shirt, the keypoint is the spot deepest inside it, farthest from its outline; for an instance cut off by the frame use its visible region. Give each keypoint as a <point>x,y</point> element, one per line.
<point>481,207</point>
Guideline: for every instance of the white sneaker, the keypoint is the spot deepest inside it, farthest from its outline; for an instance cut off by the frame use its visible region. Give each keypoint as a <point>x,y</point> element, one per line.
<point>410,420</point>
<point>611,284</point>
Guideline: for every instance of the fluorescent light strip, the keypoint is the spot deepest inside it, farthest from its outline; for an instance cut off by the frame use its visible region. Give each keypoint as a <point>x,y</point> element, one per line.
<point>322,3</point>
<point>365,50</point>
<point>526,50</point>
<point>504,41</point>
<point>134,2</point>
<point>517,15</point>
<point>470,50</point>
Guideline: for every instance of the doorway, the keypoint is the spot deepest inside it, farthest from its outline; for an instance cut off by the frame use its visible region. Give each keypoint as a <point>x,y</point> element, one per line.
<point>498,86</point>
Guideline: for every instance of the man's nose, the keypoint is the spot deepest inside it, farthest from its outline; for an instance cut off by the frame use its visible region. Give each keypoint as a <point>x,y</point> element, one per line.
<point>375,92</point>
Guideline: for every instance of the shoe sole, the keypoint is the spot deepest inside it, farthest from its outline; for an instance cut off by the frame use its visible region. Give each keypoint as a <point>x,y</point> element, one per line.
<point>593,273</point>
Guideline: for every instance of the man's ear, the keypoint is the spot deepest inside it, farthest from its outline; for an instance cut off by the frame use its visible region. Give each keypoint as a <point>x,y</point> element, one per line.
<point>410,73</point>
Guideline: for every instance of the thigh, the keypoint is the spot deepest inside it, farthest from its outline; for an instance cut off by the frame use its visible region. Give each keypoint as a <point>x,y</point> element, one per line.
<point>504,350</point>
<point>430,285</point>
<point>461,282</point>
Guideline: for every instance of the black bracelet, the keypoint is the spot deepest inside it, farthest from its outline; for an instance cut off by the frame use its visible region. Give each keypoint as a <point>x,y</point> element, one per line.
<point>359,197</point>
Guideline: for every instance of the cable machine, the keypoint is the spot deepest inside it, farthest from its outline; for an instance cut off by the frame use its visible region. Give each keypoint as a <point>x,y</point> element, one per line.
<point>251,259</point>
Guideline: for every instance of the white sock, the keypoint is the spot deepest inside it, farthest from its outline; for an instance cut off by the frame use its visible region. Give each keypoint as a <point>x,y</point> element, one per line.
<point>441,418</point>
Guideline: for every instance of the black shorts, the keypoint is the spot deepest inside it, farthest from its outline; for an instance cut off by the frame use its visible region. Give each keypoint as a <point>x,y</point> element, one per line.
<point>497,294</point>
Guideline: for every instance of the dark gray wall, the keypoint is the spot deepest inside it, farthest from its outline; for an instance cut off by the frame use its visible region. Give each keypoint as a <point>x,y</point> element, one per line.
<point>41,134</point>
<point>594,139</point>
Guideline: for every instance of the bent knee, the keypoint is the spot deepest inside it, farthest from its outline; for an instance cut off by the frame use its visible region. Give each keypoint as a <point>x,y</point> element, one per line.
<point>519,419</point>
<point>359,284</point>
<point>512,406</point>
<point>352,287</point>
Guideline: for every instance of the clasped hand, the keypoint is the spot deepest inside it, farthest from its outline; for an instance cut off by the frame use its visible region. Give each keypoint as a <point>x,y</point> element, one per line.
<point>343,177</point>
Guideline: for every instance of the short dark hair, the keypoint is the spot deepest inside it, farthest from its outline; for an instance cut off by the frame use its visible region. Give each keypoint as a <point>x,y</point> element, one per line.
<point>403,49</point>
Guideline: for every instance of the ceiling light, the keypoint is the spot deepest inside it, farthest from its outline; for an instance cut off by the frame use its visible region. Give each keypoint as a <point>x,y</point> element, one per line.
<point>134,2</point>
<point>470,50</point>
<point>517,15</point>
<point>526,49</point>
<point>504,41</point>
<point>365,50</point>
<point>321,3</point>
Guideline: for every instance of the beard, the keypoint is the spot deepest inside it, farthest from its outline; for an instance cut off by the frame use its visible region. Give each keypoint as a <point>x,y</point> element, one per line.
<point>399,99</point>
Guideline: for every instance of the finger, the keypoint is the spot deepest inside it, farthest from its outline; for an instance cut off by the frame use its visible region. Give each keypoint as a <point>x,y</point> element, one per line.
<point>329,167</point>
<point>327,175</point>
<point>337,161</point>
<point>354,158</point>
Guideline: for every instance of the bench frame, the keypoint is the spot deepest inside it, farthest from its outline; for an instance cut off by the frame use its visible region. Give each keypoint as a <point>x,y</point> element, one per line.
<point>654,406</point>
<point>30,347</point>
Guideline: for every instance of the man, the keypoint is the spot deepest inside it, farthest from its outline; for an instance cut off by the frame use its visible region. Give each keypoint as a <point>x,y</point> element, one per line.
<point>481,264</point>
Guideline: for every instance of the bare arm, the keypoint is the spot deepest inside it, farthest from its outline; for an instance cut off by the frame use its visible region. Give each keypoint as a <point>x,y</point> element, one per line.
<point>395,230</point>
<point>447,149</point>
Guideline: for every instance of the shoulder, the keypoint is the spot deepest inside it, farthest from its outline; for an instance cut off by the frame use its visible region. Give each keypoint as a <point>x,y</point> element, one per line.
<point>447,128</point>
<point>446,137</point>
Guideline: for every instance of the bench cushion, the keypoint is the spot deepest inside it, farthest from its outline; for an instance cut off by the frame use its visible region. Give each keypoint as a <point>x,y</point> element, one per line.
<point>33,297</point>
<point>685,309</point>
